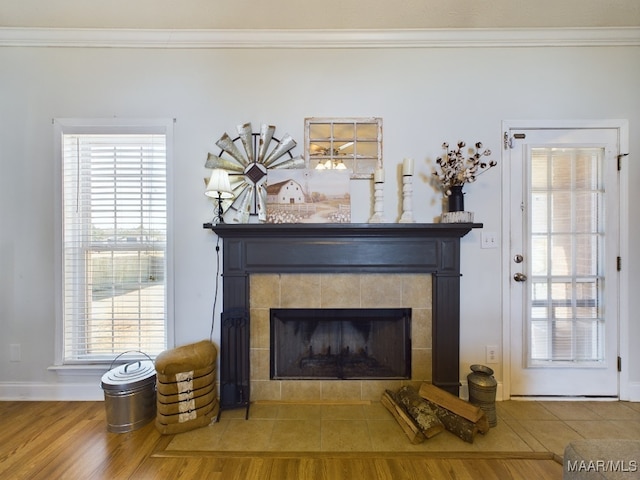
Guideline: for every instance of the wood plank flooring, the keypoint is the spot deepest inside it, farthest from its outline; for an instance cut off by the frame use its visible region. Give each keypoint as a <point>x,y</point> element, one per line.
<point>69,440</point>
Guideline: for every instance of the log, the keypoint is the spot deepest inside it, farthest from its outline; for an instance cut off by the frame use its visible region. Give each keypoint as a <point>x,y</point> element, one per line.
<point>455,424</point>
<point>455,405</point>
<point>404,420</point>
<point>420,411</point>
<point>453,412</point>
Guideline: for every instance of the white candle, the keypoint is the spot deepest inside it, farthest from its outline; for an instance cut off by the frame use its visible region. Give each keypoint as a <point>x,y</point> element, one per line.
<point>407,166</point>
<point>378,176</point>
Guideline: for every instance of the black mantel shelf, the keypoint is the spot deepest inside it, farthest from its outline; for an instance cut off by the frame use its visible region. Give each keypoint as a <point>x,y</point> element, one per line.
<point>351,248</point>
<point>342,229</point>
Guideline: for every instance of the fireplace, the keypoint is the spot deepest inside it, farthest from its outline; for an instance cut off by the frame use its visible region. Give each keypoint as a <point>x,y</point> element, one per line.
<point>348,249</point>
<point>340,343</point>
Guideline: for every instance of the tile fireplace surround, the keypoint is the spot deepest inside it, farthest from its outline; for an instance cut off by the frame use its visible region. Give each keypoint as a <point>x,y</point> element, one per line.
<point>363,254</point>
<point>336,291</point>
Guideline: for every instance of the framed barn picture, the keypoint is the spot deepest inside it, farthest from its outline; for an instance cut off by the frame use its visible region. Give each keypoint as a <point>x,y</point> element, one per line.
<point>308,196</point>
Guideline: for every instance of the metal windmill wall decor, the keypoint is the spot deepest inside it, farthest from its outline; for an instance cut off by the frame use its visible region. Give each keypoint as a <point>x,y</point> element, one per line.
<point>247,158</point>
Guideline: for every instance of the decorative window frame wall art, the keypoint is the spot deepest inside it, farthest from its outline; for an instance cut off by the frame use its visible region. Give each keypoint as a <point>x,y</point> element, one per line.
<point>308,196</point>
<point>352,143</point>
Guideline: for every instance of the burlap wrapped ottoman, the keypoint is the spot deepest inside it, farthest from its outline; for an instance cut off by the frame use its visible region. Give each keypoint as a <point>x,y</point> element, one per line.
<point>186,387</point>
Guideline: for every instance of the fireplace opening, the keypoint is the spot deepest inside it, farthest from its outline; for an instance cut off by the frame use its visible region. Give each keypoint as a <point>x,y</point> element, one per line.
<point>340,343</point>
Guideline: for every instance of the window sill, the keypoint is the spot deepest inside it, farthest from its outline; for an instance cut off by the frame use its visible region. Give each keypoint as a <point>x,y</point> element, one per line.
<point>80,370</point>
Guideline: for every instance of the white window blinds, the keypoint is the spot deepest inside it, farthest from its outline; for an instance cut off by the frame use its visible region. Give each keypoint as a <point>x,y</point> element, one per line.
<point>567,259</point>
<point>114,244</point>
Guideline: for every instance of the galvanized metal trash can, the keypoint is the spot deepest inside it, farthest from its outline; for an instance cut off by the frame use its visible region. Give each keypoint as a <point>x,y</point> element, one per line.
<point>130,396</point>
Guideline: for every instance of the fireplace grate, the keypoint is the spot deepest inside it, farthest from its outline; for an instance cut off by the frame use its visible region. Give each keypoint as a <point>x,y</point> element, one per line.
<point>343,343</point>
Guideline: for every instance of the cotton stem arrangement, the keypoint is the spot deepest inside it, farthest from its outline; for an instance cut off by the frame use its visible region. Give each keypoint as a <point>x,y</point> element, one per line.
<point>457,166</point>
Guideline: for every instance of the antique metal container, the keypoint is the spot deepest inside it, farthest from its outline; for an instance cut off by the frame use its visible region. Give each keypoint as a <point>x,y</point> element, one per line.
<point>482,391</point>
<point>130,396</point>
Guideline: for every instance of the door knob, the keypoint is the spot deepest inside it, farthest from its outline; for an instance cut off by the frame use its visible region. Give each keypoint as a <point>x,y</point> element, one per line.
<point>520,277</point>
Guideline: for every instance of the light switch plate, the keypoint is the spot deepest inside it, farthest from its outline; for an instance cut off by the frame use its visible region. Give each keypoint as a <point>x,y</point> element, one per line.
<point>489,240</point>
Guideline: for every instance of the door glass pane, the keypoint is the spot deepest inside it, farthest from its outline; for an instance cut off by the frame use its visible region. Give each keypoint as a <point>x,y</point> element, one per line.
<point>539,255</point>
<point>587,248</point>
<point>539,171</point>
<point>562,333</point>
<point>566,262</point>
<point>561,209</point>
<point>561,254</point>
<point>539,213</point>
<point>587,210</point>
<point>539,336</point>
<point>560,160</point>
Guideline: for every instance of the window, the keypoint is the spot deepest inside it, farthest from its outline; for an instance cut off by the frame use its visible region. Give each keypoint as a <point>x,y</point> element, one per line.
<point>344,143</point>
<point>114,239</point>
<point>567,259</point>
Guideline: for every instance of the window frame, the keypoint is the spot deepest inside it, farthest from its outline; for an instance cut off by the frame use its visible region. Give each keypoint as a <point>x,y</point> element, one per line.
<point>362,165</point>
<point>65,126</point>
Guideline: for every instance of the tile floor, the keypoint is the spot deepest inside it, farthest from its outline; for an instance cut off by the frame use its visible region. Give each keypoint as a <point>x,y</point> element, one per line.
<point>523,426</point>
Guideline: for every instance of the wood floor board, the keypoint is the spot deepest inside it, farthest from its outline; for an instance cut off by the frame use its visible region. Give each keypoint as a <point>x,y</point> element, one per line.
<point>69,441</point>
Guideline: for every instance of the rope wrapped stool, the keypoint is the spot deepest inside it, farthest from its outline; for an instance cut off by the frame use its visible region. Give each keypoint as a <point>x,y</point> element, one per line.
<point>186,387</point>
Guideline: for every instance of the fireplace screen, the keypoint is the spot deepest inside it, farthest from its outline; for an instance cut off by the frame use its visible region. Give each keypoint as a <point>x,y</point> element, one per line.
<point>340,343</point>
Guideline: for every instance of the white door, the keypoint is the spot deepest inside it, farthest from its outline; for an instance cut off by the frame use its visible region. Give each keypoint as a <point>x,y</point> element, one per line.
<point>564,221</point>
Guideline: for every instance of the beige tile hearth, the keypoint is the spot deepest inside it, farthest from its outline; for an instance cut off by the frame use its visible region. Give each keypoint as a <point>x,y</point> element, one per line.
<point>306,434</point>
<point>369,427</point>
<point>345,436</point>
<point>299,412</point>
<point>343,412</point>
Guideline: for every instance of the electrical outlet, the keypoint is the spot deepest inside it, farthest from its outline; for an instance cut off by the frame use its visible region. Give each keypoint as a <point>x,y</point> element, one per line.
<point>14,352</point>
<point>489,240</point>
<point>492,354</point>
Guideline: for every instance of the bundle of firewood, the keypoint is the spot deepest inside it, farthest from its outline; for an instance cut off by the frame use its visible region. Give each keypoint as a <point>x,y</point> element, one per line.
<point>425,413</point>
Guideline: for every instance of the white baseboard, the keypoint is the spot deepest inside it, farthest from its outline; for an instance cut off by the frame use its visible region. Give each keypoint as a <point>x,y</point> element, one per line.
<point>633,392</point>
<point>61,392</point>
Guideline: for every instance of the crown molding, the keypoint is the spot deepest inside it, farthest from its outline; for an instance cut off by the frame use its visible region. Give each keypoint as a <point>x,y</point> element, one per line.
<point>289,39</point>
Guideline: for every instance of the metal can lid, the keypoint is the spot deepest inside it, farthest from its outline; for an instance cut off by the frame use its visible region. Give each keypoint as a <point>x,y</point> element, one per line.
<point>129,375</point>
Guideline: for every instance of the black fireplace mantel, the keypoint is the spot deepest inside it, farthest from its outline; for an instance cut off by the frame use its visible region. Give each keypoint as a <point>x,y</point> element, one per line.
<point>356,248</point>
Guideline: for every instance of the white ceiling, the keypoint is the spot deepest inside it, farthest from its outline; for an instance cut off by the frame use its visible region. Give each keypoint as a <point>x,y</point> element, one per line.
<point>324,14</point>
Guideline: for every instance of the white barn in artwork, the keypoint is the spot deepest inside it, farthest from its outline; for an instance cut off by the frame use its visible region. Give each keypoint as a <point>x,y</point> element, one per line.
<point>288,192</point>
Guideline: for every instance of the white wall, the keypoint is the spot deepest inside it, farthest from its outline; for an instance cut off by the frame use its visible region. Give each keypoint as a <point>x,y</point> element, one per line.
<point>424,95</point>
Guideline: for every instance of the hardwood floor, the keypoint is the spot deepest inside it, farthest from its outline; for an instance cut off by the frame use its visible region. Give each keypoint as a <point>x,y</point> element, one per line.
<point>69,440</point>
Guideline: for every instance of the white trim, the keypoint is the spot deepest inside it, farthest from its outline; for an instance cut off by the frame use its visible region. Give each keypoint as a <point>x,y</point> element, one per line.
<point>624,343</point>
<point>82,370</point>
<point>171,323</point>
<point>633,392</point>
<point>627,390</point>
<point>322,38</point>
<point>505,241</point>
<point>119,124</point>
